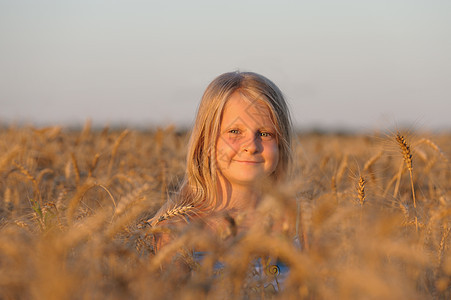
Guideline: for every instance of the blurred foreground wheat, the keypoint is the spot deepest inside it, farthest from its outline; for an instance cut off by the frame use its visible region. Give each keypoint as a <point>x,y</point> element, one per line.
<point>375,219</point>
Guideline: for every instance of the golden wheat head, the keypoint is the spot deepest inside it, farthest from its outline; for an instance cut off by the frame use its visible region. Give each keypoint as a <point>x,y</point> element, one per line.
<point>405,148</point>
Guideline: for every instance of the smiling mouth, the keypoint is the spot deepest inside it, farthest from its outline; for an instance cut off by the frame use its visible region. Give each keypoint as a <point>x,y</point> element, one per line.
<point>249,161</point>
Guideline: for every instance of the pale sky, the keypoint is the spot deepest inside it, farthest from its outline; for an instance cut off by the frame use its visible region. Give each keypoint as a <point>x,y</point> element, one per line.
<point>359,64</point>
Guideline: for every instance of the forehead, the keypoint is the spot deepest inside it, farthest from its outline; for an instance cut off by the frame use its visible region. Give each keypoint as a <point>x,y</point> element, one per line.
<point>250,111</point>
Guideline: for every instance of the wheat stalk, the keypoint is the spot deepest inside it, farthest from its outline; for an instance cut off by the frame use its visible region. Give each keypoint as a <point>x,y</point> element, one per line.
<point>371,161</point>
<point>333,184</point>
<point>434,147</point>
<point>116,145</point>
<point>330,234</point>
<point>405,148</point>
<point>129,199</point>
<point>6,158</point>
<point>7,198</point>
<point>33,180</point>
<point>76,169</point>
<point>43,173</point>
<point>93,164</point>
<point>442,244</point>
<point>342,168</point>
<point>397,178</point>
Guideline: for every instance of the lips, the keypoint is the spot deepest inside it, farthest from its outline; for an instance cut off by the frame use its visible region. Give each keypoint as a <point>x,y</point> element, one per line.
<point>249,161</point>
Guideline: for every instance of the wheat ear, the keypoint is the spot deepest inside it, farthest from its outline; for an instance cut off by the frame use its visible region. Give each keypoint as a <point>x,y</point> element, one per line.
<point>371,161</point>
<point>93,164</point>
<point>32,179</point>
<point>361,190</point>
<point>405,148</point>
<point>442,245</point>
<point>115,147</point>
<point>173,212</point>
<point>76,169</point>
<point>407,154</point>
<point>434,147</point>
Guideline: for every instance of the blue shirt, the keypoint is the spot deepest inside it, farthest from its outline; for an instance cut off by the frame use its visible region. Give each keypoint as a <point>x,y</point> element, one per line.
<point>264,274</point>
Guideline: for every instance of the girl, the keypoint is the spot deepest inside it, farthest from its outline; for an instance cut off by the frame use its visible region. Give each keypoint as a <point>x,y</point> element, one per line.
<point>240,143</point>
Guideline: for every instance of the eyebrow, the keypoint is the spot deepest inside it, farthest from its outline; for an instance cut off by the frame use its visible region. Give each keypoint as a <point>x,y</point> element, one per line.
<point>271,127</point>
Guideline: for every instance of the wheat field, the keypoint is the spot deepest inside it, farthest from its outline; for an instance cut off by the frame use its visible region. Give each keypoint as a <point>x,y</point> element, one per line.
<point>373,219</point>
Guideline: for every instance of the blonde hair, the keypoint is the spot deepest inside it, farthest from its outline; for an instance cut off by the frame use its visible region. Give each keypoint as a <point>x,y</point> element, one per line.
<point>199,187</point>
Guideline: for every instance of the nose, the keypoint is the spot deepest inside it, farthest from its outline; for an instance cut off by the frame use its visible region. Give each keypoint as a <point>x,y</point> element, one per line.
<point>251,145</point>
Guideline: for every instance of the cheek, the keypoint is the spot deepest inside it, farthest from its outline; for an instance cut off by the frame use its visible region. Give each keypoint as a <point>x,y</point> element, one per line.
<point>273,156</point>
<point>227,146</point>
<point>224,151</point>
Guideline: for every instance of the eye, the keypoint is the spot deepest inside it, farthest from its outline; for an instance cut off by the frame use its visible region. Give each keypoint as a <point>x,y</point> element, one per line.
<point>265,134</point>
<point>234,131</point>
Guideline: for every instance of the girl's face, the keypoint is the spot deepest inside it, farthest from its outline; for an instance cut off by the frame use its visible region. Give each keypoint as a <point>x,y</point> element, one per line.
<point>247,148</point>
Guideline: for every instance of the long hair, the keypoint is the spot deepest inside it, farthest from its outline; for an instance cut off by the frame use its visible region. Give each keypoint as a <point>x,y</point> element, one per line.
<point>199,187</point>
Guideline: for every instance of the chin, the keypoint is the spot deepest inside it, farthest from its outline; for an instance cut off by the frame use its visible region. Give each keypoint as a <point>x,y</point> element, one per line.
<point>246,177</point>
<point>248,180</point>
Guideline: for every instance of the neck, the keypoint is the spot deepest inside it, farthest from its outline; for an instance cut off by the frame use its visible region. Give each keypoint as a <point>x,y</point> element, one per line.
<point>236,197</point>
